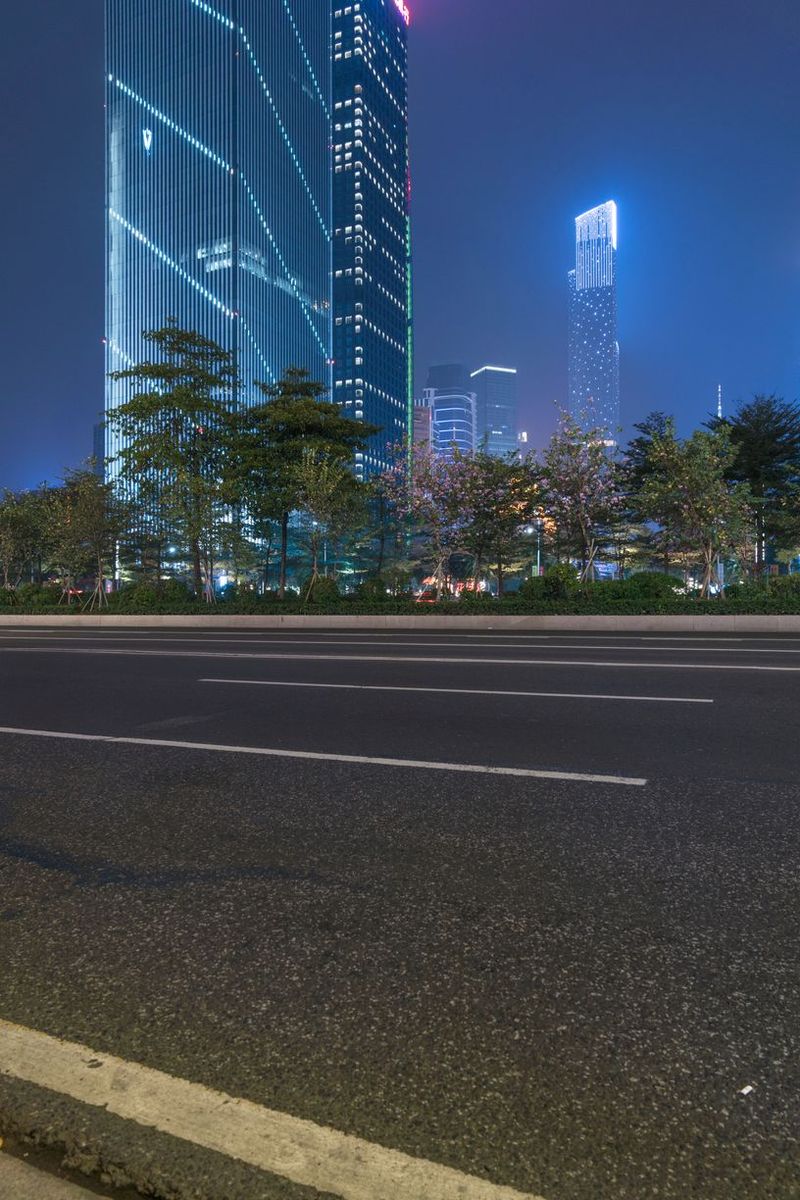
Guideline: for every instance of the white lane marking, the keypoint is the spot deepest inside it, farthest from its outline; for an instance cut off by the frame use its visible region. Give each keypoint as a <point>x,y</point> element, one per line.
<point>428,660</point>
<point>318,756</point>
<point>368,687</point>
<point>308,1154</point>
<point>500,642</point>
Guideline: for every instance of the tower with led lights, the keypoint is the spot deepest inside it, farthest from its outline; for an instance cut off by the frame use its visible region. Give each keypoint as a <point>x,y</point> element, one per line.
<point>593,342</point>
<point>372,332</point>
<point>218,181</point>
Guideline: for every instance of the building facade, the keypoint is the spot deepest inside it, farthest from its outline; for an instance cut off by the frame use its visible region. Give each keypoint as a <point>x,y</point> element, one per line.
<point>372,345</point>
<point>453,410</point>
<point>594,395</point>
<point>496,409</point>
<point>218,181</point>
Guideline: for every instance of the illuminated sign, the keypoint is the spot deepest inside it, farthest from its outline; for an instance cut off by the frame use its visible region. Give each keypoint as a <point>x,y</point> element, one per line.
<point>147,138</point>
<point>404,10</point>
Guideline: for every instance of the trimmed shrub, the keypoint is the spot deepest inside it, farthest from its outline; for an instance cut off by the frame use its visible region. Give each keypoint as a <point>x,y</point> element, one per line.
<point>325,592</point>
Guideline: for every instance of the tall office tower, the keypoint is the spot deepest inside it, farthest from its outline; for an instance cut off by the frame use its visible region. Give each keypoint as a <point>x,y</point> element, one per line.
<point>453,410</point>
<point>496,409</point>
<point>593,344</point>
<point>372,348</point>
<point>218,180</point>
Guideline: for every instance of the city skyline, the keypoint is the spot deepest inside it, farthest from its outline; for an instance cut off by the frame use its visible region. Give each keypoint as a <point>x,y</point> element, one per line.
<point>490,247</point>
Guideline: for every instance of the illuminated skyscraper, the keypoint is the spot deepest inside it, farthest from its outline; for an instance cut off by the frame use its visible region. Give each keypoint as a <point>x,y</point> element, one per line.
<point>371,227</point>
<point>218,180</point>
<point>593,344</point>
<point>496,409</point>
<point>453,410</point>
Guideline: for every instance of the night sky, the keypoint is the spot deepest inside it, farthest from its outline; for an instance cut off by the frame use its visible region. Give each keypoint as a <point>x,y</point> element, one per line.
<point>524,113</point>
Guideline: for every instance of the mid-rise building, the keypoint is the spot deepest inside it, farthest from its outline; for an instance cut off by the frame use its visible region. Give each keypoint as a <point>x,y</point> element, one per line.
<point>218,181</point>
<point>423,427</point>
<point>496,409</point>
<point>372,346</point>
<point>453,410</point>
<point>594,396</point>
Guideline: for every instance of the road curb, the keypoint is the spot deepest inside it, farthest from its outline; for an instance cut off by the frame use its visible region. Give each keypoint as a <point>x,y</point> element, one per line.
<point>111,1150</point>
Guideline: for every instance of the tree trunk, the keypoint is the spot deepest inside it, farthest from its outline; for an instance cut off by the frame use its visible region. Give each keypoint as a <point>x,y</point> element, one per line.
<point>500,578</point>
<point>284,555</point>
<point>197,570</point>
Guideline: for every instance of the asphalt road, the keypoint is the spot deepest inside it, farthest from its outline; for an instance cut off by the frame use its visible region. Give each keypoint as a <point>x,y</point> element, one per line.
<point>558,985</point>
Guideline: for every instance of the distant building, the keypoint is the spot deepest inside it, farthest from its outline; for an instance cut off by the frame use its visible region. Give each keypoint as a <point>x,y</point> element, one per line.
<point>593,342</point>
<point>371,222</point>
<point>423,428</point>
<point>496,409</point>
<point>453,410</point>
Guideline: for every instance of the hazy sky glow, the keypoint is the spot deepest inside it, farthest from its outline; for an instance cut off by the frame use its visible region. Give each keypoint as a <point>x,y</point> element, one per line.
<point>524,113</point>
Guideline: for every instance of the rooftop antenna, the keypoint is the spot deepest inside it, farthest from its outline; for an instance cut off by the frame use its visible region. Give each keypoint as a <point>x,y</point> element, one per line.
<point>719,402</point>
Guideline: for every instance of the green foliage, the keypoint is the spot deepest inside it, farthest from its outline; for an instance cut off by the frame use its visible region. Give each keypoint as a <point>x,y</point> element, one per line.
<point>651,585</point>
<point>169,595</point>
<point>320,591</point>
<point>374,590</point>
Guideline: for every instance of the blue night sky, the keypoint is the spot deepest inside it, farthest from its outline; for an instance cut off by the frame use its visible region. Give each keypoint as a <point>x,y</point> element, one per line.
<point>524,113</point>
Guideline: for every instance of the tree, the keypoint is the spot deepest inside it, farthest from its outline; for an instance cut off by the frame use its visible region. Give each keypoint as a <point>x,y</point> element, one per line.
<point>88,521</point>
<point>765,436</point>
<point>581,491</point>
<point>331,499</point>
<point>266,446</point>
<point>23,534</point>
<point>434,500</point>
<point>501,498</point>
<point>172,436</point>
<point>686,490</point>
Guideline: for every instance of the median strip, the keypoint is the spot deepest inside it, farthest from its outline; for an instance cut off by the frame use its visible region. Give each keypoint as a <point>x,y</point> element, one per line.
<point>317,756</point>
<point>307,1154</point>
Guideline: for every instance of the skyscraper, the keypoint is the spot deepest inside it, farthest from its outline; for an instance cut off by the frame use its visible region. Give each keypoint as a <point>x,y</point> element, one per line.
<point>593,344</point>
<point>453,414</point>
<point>372,350</point>
<point>496,409</point>
<point>218,180</point>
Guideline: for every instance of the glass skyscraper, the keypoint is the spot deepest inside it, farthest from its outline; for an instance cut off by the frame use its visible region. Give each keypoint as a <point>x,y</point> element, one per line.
<point>372,349</point>
<point>218,180</point>
<point>593,343</point>
<point>496,409</point>
<point>453,412</point>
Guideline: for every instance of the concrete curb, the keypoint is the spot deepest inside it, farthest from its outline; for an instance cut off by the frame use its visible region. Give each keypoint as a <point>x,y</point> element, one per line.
<point>494,624</point>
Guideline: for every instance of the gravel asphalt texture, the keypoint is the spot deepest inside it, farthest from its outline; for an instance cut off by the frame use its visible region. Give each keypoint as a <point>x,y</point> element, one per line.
<point>558,986</point>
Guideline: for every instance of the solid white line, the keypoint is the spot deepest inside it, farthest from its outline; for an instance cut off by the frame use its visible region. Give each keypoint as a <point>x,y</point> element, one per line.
<point>499,642</point>
<point>367,687</point>
<point>310,1155</point>
<point>429,660</point>
<point>317,756</point>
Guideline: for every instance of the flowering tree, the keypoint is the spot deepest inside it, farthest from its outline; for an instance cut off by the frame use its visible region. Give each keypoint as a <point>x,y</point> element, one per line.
<point>501,498</point>
<point>581,491</point>
<point>435,501</point>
